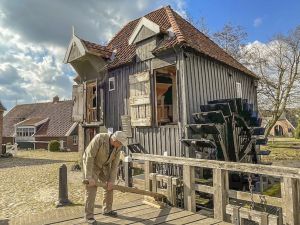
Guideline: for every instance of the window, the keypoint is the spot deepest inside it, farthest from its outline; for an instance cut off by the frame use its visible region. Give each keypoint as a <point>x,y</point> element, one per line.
<point>94,102</point>
<point>31,131</point>
<point>75,139</point>
<point>111,84</point>
<point>166,96</point>
<point>24,132</point>
<point>238,90</point>
<point>153,106</point>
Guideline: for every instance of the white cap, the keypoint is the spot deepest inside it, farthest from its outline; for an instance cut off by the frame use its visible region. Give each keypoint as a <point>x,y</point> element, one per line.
<point>121,137</point>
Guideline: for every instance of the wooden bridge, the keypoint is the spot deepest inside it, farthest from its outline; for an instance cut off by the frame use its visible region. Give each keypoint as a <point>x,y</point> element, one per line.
<point>137,213</point>
<point>288,205</point>
<point>229,206</point>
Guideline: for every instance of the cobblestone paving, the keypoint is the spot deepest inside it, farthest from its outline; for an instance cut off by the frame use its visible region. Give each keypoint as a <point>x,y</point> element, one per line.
<point>29,183</point>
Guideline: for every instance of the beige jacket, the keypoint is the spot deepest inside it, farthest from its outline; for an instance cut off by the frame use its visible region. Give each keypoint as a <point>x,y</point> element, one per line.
<point>96,159</point>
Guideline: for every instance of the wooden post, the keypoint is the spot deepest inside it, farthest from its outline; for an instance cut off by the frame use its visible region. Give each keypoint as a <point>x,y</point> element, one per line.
<point>153,179</point>
<point>221,186</point>
<point>290,201</point>
<point>81,146</point>
<point>169,188</point>
<point>148,168</point>
<point>174,190</point>
<point>63,187</point>
<point>189,188</point>
<point>128,171</point>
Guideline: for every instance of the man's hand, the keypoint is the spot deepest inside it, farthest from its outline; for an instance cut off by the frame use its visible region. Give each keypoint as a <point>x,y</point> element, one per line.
<point>110,185</point>
<point>92,182</point>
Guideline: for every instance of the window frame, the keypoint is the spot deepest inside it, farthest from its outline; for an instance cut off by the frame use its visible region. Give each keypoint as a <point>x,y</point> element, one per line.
<point>75,139</point>
<point>113,81</point>
<point>239,93</point>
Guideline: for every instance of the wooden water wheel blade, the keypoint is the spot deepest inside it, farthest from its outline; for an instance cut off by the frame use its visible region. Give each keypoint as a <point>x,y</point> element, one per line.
<point>209,117</point>
<point>260,139</point>
<point>205,143</point>
<point>224,107</point>
<point>258,130</point>
<point>207,128</point>
<point>240,122</point>
<point>232,103</point>
<point>263,152</point>
<point>255,122</point>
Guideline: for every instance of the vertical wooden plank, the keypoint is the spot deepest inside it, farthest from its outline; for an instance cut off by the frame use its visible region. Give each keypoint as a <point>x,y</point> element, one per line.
<point>148,168</point>
<point>189,188</point>
<point>236,215</point>
<point>172,142</point>
<point>201,83</point>
<point>154,182</point>
<point>189,89</point>
<point>169,186</point>
<point>151,148</point>
<point>174,187</point>
<point>290,201</point>
<point>193,75</point>
<point>221,186</point>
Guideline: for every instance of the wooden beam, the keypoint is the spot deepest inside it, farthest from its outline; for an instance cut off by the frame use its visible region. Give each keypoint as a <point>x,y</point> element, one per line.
<point>257,198</point>
<point>220,185</point>
<point>148,168</point>
<point>276,171</point>
<point>204,188</point>
<point>189,188</point>
<point>290,201</point>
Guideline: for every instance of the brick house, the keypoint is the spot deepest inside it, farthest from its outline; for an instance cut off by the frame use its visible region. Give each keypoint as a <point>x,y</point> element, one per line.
<point>34,125</point>
<point>2,109</point>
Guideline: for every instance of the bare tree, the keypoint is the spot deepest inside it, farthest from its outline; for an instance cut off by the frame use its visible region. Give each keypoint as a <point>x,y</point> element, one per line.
<point>200,24</point>
<point>231,38</point>
<point>277,64</point>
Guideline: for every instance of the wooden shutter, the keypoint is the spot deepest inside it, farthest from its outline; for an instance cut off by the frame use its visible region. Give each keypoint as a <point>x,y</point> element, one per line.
<point>100,101</point>
<point>126,125</point>
<point>78,106</point>
<point>140,99</point>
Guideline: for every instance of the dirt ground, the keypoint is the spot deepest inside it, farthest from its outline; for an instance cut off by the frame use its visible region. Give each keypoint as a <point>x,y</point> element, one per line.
<point>29,183</point>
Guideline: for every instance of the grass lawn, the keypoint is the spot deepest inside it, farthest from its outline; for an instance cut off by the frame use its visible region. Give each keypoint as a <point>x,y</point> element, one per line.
<point>282,149</point>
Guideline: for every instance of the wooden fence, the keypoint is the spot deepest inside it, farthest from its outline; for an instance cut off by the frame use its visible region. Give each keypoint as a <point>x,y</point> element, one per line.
<point>290,188</point>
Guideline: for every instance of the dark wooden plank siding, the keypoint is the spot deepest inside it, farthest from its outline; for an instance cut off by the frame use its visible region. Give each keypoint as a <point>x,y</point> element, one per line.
<point>199,80</point>
<point>155,140</point>
<point>209,80</point>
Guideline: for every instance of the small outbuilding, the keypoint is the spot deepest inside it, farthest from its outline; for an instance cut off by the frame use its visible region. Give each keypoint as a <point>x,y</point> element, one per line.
<point>34,125</point>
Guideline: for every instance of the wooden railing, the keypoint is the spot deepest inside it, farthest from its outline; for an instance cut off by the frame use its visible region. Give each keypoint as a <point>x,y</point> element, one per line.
<point>290,187</point>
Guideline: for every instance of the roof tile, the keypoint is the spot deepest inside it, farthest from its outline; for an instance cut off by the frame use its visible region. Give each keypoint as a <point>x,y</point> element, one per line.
<point>59,114</point>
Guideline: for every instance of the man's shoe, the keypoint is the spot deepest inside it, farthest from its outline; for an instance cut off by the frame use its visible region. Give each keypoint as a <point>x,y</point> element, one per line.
<point>111,213</point>
<point>92,221</point>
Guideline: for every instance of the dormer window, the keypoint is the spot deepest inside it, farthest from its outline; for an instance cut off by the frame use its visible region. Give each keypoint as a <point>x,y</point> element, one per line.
<point>143,30</point>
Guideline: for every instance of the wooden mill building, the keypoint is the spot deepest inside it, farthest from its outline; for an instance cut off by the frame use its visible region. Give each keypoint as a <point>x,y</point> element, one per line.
<point>150,78</point>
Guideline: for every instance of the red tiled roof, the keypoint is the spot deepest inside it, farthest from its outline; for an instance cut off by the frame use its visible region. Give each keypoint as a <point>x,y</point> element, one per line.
<point>185,35</point>
<point>102,51</point>
<point>59,116</point>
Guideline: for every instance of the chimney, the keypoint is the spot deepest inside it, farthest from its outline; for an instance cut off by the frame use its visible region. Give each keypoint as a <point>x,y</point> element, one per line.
<point>55,99</point>
<point>2,109</point>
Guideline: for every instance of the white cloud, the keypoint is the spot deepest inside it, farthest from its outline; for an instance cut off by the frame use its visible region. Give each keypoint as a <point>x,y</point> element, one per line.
<point>257,22</point>
<point>32,47</point>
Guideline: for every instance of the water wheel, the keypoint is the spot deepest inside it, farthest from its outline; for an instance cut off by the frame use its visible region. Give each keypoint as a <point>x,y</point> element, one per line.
<point>227,130</point>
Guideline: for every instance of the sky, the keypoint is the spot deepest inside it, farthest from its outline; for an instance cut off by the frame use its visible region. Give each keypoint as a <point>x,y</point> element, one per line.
<point>34,34</point>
